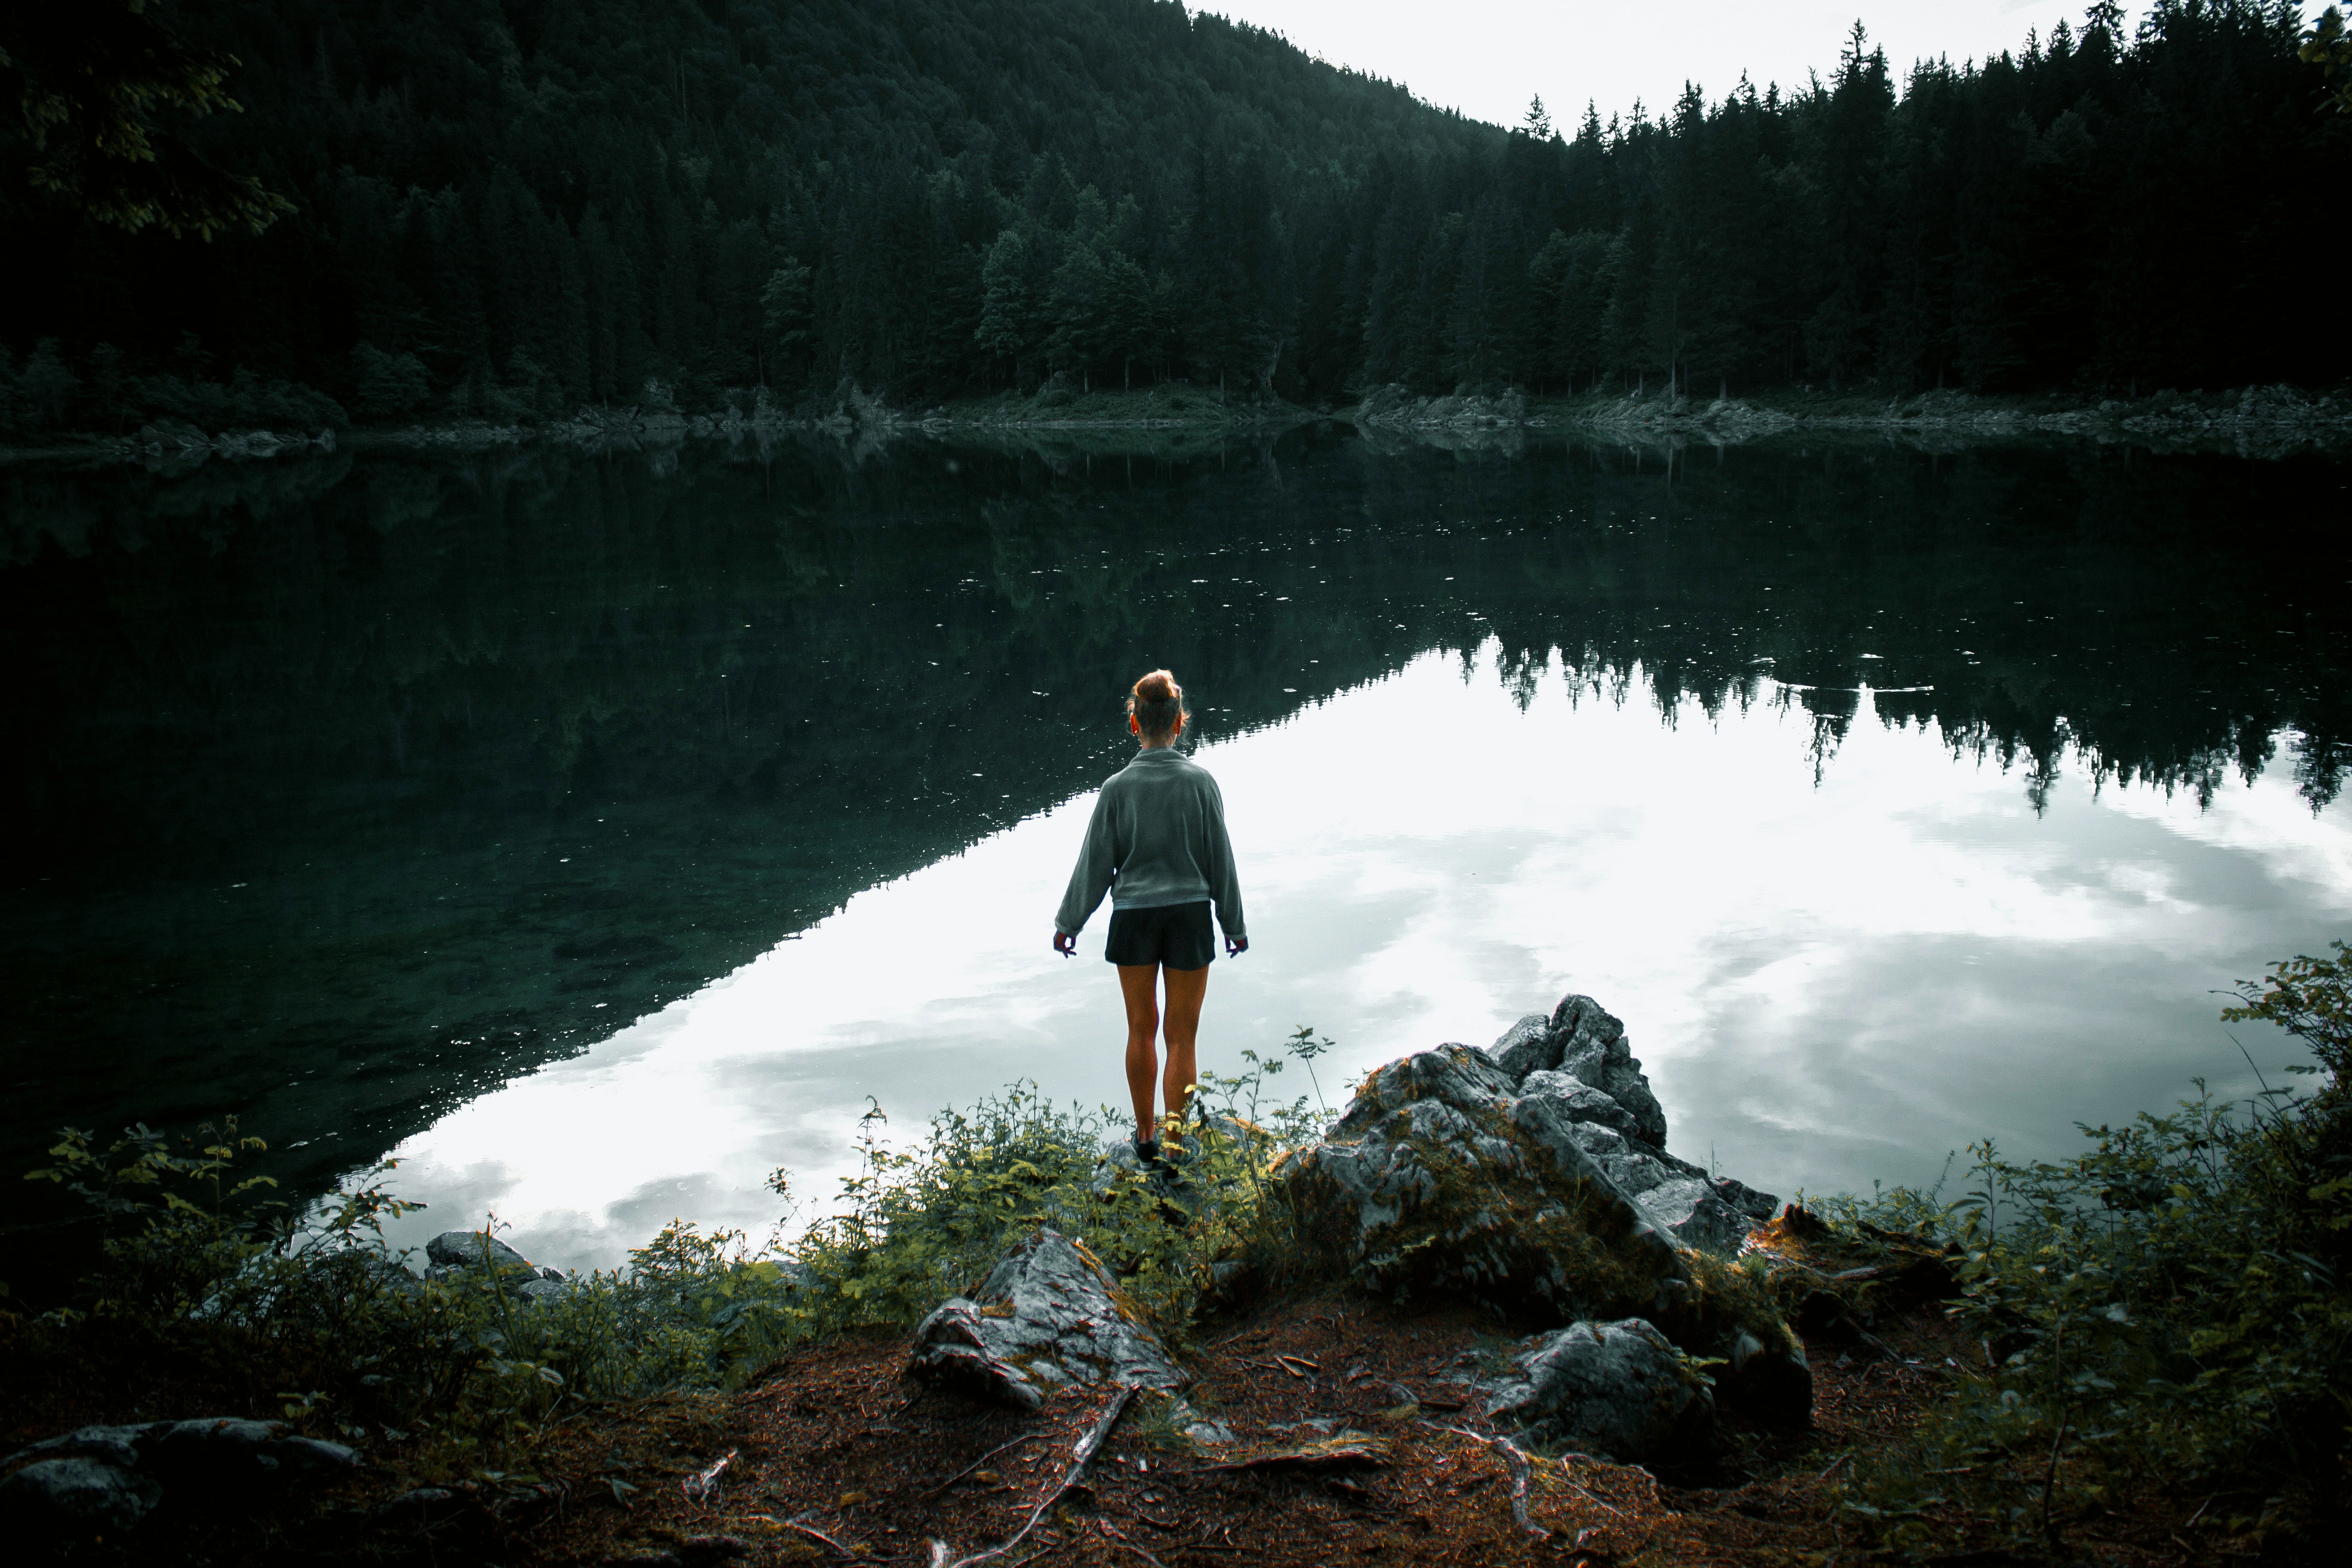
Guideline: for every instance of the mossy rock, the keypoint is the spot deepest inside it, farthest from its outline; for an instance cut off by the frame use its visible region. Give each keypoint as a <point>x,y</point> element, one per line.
<point>1440,1180</point>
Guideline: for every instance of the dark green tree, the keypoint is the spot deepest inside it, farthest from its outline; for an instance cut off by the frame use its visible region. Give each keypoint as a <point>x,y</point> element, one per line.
<point>93,82</point>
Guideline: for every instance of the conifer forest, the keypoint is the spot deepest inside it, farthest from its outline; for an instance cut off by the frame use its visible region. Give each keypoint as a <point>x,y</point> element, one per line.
<point>511,210</point>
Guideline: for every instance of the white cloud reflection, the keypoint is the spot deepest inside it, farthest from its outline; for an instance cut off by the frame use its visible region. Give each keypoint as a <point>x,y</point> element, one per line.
<point>1828,983</point>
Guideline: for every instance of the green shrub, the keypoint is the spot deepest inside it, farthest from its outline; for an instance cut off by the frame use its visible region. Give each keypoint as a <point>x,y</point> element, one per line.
<point>389,385</point>
<point>2166,1309</point>
<point>917,1226</point>
<point>461,1372</point>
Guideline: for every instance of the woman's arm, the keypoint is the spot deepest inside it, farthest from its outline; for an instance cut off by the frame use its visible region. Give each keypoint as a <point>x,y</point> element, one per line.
<point>1091,877</point>
<point>1225,882</point>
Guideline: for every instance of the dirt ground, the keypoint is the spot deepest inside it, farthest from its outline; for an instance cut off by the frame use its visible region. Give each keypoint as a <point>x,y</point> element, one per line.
<point>1364,1449</point>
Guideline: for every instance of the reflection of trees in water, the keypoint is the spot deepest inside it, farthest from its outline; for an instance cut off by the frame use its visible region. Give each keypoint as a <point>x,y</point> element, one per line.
<point>506,737</point>
<point>2140,645</point>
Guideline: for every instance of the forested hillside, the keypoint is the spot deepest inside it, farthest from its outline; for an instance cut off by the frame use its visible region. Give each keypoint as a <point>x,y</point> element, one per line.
<point>508,210</point>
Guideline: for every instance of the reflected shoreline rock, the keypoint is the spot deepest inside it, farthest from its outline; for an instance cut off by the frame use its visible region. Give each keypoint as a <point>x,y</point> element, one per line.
<point>2251,421</point>
<point>2259,422</point>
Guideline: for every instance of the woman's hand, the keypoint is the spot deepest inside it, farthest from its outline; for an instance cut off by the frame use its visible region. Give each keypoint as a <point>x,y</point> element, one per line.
<point>1067,945</point>
<point>1235,946</point>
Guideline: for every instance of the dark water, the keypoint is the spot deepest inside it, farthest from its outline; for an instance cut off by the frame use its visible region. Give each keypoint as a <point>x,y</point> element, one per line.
<point>347,790</point>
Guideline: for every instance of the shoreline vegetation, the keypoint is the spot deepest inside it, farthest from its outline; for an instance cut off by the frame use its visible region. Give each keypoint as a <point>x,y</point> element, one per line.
<point>1318,1338</point>
<point>2253,420</point>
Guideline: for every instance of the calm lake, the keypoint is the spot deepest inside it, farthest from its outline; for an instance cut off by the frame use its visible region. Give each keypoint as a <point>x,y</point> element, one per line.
<point>599,833</point>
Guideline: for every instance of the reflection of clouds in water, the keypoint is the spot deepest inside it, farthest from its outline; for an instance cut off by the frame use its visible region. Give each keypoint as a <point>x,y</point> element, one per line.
<point>1828,983</point>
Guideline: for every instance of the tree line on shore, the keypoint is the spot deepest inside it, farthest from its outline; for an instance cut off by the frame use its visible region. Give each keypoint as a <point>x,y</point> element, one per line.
<point>508,211</point>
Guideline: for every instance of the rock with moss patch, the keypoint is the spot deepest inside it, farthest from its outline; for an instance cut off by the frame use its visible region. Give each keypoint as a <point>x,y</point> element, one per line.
<point>1488,1176</point>
<point>1436,1179</point>
<point>1049,1317</point>
<point>1618,1390</point>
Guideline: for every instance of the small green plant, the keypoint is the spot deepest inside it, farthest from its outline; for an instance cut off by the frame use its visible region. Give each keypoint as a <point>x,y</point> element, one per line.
<point>1305,1047</point>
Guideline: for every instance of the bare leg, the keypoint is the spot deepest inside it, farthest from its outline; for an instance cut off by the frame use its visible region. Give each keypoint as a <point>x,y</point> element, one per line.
<point>1138,982</point>
<point>1186,989</point>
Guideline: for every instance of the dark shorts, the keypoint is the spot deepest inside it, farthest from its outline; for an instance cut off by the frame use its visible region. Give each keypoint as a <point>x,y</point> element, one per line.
<point>1177,935</point>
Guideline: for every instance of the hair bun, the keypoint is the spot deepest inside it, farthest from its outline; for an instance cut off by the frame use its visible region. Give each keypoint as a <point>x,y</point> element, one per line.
<point>1157,705</point>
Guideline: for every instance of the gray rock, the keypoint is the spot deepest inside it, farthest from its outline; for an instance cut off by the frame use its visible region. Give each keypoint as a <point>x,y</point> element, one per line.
<point>1586,1042</point>
<point>1435,1179</point>
<point>1758,1206</point>
<point>1526,1046</point>
<point>1200,1428</point>
<point>109,1478</point>
<point>1618,1390</point>
<point>1630,1086</point>
<point>1453,1074</point>
<point>545,1290</point>
<point>465,1250</point>
<point>1049,1316</point>
<point>1687,1208</point>
<point>1676,1197</point>
<point>52,1498</point>
<point>226,1448</point>
<point>1580,1100</point>
<point>1584,1024</point>
<point>116,1445</point>
<point>1449,1174</point>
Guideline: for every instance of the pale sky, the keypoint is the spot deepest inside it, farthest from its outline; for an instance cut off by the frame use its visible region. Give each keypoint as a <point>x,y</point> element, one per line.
<point>1487,57</point>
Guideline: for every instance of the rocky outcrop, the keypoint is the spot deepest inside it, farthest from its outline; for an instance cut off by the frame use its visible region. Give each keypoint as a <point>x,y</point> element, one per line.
<point>1049,1317</point>
<point>106,1480</point>
<point>1439,1179</point>
<point>1533,1178</point>
<point>1616,1390</point>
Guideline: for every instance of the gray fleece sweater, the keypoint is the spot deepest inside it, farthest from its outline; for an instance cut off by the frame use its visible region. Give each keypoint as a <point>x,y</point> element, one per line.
<point>1157,838</point>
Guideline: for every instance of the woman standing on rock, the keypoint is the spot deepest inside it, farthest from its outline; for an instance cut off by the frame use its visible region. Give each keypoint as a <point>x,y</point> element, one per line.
<point>1158,844</point>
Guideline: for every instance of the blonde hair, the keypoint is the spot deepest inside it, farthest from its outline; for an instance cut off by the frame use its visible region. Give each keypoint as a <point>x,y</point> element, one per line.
<point>1156,705</point>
